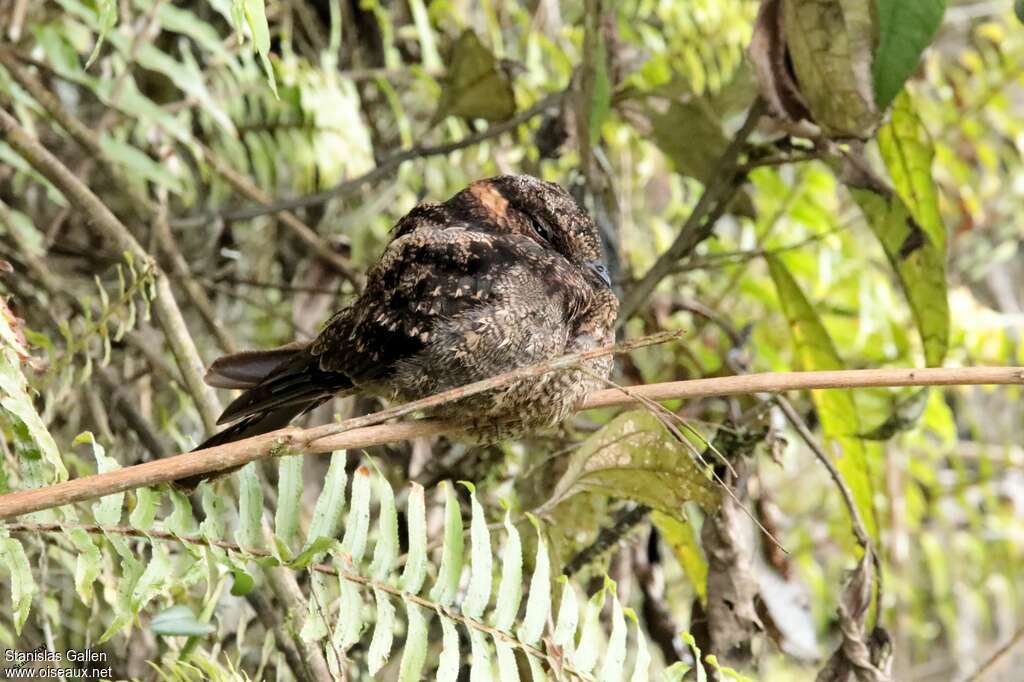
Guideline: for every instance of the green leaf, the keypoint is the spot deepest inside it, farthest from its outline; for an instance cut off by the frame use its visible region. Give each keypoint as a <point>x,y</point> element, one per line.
<point>447,583</point>
<point>107,18</point>
<point>107,511</point>
<point>250,507</point>
<point>916,243</point>
<point>179,620</point>
<point>241,583</point>
<point>144,513</point>
<point>475,85</point>
<point>635,457</point>
<point>350,621</point>
<point>591,633</point>
<point>331,503</point>
<point>614,662</point>
<point>508,670</point>
<point>482,665</point>
<point>289,498</point>
<point>905,29</point>
<point>448,663</point>
<point>836,408</point>
<point>642,661</point>
<point>383,632</point>
<point>830,50</point>
<point>414,651</point>
<point>568,617</point>
<point>415,570</point>
<point>681,536</point>
<point>357,524</point>
<point>23,586</point>
<point>385,553</point>
<point>538,600</point>
<point>256,18</point>
<point>510,589</point>
<point>478,594</point>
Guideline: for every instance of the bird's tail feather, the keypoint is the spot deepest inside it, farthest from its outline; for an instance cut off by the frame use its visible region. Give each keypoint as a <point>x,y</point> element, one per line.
<point>279,384</point>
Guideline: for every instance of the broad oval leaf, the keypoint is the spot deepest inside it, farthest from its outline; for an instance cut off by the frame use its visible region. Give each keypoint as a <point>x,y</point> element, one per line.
<point>905,29</point>
<point>635,457</point>
<point>179,620</point>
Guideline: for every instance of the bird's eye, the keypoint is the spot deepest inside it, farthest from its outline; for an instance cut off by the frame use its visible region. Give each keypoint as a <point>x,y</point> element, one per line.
<point>541,229</point>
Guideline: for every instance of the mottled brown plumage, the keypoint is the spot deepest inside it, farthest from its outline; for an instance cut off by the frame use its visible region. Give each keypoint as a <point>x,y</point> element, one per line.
<point>506,273</point>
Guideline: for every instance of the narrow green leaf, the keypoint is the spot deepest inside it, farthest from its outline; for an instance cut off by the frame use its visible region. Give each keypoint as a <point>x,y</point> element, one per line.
<point>214,526</point>
<point>23,585</point>
<point>414,653</point>
<point>448,663</point>
<point>681,536</point>
<point>702,675</point>
<point>538,600</point>
<point>510,589</point>
<point>614,662</point>
<point>481,668</point>
<point>314,628</point>
<point>289,498</point>
<point>415,570</point>
<point>591,633</point>
<point>256,17</point>
<point>568,617</point>
<point>157,575</point>
<point>350,614</point>
<point>836,408</point>
<point>107,511</point>
<point>88,563</point>
<point>331,504</point>
<point>383,632</point>
<point>536,669</point>
<point>642,662</point>
<point>905,29</point>
<point>250,507</point>
<point>107,17</point>
<point>179,620</point>
<point>481,565</point>
<point>358,522</point>
<point>385,553</point>
<point>181,522</point>
<point>917,246</point>
<point>144,514</point>
<point>508,670</point>
<point>447,583</point>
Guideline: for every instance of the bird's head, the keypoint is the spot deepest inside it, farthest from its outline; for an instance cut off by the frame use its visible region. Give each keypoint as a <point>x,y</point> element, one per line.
<point>540,210</point>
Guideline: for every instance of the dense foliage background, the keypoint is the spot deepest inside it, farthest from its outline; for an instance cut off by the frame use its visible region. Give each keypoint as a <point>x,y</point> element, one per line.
<point>258,154</point>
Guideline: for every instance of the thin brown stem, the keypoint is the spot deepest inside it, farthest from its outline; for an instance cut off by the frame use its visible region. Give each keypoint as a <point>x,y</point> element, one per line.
<point>322,440</point>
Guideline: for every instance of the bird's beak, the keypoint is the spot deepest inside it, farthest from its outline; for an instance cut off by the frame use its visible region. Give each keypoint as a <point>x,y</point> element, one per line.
<point>601,270</point>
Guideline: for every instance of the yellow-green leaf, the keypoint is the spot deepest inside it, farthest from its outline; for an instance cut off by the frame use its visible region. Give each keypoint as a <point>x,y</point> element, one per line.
<point>635,457</point>
<point>830,46</point>
<point>837,410</point>
<point>681,536</point>
<point>475,86</point>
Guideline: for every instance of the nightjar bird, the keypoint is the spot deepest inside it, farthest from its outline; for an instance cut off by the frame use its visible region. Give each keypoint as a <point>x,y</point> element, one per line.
<point>507,273</point>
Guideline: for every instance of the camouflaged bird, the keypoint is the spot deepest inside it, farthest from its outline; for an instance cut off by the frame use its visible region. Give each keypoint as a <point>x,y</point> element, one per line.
<point>505,274</point>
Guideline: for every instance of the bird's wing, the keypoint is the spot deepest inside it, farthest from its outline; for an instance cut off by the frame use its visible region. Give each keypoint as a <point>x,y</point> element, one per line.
<point>424,277</point>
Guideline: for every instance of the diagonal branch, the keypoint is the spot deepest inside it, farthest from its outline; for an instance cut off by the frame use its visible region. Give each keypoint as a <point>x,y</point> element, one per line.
<point>322,440</point>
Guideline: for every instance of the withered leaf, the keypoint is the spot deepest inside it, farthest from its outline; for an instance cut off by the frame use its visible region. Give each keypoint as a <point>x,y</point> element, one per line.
<point>476,85</point>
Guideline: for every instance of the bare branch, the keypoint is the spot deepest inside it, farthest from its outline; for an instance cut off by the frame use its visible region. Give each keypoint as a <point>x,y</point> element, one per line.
<point>324,439</point>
